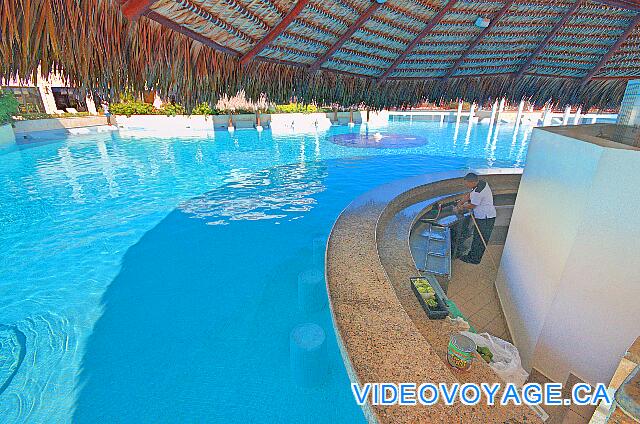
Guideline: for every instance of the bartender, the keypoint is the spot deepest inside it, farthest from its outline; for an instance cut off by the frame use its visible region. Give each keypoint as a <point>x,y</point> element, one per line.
<point>480,201</point>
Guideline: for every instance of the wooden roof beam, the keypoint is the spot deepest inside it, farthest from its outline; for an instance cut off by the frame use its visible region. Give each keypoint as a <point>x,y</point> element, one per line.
<point>432,22</point>
<point>622,4</point>
<point>485,31</point>
<point>548,38</point>
<point>344,37</point>
<point>275,32</point>
<point>189,33</point>
<point>133,9</point>
<point>634,24</point>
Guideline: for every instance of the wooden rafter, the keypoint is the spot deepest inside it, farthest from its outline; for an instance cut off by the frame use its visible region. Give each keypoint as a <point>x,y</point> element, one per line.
<point>344,37</point>
<point>275,31</point>
<point>548,38</point>
<point>189,33</point>
<point>432,22</point>
<point>622,4</point>
<point>133,9</point>
<point>494,21</point>
<point>634,24</point>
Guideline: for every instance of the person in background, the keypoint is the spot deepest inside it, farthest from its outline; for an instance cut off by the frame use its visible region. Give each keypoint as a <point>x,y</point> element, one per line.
<point>105,108</point>
<point>480,202</point>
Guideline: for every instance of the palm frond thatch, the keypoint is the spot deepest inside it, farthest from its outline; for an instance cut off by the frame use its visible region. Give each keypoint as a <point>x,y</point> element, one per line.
<point>97,49</point>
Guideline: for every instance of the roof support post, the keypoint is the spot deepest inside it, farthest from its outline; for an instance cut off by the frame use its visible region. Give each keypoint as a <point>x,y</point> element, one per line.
<point>275,32</point>
<point>344,37</point>
<point>548,38</point>
<point>478,39</point>
<point>432,22</point>
<point>612,50</point>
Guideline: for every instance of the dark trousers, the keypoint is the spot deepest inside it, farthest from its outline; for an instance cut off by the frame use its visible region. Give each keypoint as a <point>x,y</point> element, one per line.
<point>477,246</point>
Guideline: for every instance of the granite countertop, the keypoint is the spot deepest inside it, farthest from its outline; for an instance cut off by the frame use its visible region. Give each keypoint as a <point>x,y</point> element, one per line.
<point>382,336</point>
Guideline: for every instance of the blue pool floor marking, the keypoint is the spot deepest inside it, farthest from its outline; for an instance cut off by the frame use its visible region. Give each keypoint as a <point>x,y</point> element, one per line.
<point>13,366</point>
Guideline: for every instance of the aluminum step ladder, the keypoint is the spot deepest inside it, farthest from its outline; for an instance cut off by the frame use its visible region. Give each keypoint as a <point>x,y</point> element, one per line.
<point>437,258</point>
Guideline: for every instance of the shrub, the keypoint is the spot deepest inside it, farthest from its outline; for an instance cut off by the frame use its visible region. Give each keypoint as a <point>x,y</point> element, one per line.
<point>173,109</point>
<point>203,109</point>
<point>27,116</point>
<point>298,108</point>
<point>133,107</point>
<point>8,107</point>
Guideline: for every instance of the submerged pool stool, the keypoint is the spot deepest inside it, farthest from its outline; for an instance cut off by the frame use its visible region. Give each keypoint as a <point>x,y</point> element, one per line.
<point>312,291</point>
<point>308,355</point>
<point>318,250</point>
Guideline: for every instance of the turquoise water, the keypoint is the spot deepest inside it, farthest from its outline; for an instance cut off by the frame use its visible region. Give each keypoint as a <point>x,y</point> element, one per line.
<point>151,280</point>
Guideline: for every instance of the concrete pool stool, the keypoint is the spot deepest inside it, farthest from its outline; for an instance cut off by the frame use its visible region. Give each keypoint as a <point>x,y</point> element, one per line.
<point>308,354</point>
<point>312,292</point>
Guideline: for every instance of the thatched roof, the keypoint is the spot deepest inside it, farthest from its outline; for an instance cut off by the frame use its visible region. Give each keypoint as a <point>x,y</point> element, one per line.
<point>345,51</point>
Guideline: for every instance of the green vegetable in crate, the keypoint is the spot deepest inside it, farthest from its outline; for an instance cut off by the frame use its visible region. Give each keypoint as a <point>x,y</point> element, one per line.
<point>486,354</point>
<point>427,296</point>
<point>422,289</point>
<point>432,303</point>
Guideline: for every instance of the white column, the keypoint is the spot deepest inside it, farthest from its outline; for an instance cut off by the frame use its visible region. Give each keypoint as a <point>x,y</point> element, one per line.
<point>519,115</point>
<point>566,115</point>
<point>91,105</point>
<point>494,110</point>
<point>472,111</point>
<point>546,116</point>
<point>501,108</point>
<point>48,100</point>
<point>157,101</point>
<point>576,119</point>
<point>594,118</point>
<point>459,115</point>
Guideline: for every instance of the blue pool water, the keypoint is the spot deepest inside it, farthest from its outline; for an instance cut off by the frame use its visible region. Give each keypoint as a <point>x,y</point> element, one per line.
<point>154,280</point>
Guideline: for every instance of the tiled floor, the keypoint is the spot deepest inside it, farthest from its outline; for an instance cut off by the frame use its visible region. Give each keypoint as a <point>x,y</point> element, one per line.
<point>473,291</point>
<point>562,414</point>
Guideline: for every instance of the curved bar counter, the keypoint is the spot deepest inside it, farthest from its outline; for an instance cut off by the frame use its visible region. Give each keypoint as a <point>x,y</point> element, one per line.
<point>384,334</point>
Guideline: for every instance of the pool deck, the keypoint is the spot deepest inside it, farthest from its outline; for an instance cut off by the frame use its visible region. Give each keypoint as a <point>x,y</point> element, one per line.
<point>384,334</point>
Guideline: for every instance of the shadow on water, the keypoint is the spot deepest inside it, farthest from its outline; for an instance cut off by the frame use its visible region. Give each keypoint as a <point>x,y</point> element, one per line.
<point>196,325</point>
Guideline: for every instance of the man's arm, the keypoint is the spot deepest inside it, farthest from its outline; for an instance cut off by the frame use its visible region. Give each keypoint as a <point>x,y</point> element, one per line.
<point>465,203</point>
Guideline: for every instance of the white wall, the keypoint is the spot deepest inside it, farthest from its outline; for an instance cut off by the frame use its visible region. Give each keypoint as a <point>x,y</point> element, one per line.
<point>7,136</point>
<point>569,278</point>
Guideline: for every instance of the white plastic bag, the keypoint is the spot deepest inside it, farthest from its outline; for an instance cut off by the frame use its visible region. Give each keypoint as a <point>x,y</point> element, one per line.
<point>506,359</point>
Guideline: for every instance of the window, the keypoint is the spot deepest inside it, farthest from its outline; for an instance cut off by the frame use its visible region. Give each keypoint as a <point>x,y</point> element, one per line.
<point>29,100</point>
<point>66,97</point>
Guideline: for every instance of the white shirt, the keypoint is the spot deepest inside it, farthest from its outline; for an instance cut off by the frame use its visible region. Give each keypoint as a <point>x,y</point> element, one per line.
<point>483,202</point>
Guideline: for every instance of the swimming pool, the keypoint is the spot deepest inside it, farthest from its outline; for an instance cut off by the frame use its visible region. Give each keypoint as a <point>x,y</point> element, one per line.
<point>150,279</point>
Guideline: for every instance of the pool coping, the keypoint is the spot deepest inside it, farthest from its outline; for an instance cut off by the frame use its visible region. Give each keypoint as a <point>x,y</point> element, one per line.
<point>378,340</point>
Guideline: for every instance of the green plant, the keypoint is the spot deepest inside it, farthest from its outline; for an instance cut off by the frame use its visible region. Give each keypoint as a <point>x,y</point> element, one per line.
<point>24,116</point>
<point>8,107</point>
<point>203,109</point>
<point>29,116</point>
<point>298,108</point>
<point>133,107</point>
<point>173,109</point>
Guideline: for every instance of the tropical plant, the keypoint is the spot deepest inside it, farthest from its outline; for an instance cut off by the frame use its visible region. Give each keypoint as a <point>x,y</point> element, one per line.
<point>203,109</point>
<point>298,108</point>
<point>8,107</point>
<point>238,103</point>
<point>173,109</point>
<point>133,107</point>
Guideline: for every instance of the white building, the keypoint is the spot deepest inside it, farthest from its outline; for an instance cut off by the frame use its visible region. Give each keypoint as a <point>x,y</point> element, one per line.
<point>51,95</point>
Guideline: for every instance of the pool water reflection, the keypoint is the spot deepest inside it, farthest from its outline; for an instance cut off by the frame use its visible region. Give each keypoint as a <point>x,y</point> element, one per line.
<point>154,279</point>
